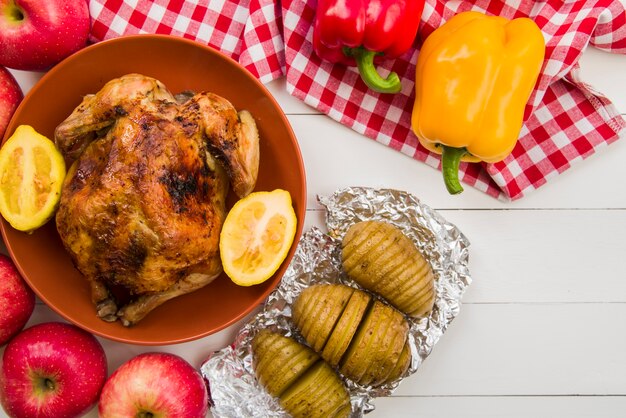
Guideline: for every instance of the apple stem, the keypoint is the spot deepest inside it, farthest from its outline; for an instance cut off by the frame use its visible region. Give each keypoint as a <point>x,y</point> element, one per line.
<point>44,385</point>
<point>15,13</point>
<point>49,384</point>
<point>144,414</point>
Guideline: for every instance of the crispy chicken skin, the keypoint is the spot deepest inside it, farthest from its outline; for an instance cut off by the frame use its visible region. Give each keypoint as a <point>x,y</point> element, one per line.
<point>143,202</point>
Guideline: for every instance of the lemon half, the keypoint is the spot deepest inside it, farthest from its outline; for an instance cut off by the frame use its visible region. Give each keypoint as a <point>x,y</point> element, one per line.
<point>32,171</point>
<point>256,236</point>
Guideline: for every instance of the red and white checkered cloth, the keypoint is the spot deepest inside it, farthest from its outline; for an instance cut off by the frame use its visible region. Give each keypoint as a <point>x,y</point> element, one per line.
<point>566,119</point>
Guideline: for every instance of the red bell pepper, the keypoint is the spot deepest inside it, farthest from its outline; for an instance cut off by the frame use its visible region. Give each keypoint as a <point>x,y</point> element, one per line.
<point>357,31</point>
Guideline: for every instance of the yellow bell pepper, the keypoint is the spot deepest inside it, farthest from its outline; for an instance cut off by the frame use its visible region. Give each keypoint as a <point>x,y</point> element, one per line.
<point>474,76</point>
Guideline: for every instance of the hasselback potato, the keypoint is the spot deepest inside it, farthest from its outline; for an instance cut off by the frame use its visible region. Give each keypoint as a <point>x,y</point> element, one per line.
<point>363,337</point>
<point>304,384</point>
<point>378,256</point>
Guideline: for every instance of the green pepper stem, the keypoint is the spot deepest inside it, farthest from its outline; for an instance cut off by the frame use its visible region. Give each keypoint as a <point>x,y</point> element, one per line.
<point>450,159</point>
<point>365,62</point>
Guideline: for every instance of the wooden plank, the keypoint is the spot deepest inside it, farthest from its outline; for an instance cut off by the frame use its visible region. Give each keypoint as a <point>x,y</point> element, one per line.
<point>350,159</point>
<point>541,330</point>
<point>532,256</point>
<point>492,354</point>
<point>501,407</point>
<point>533,349</point>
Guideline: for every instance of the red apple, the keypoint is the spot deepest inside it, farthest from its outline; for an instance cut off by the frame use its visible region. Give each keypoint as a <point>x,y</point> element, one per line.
<point>52,370</point>
<point>37,34</point>
<point>10,96</point>
<point>154,384</point>
<point>17,300</point>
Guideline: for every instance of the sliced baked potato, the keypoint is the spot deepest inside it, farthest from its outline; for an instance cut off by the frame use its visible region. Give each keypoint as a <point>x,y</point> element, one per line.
<point>365,339</point>
<point>305,385</point>
<point>381,258</point>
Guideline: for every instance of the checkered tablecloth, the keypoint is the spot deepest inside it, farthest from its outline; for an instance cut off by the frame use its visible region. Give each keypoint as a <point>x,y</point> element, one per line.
<point>566,119</point>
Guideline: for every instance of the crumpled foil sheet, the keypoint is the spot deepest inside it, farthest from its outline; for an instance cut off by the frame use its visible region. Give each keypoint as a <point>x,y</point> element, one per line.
<point>229,372</point>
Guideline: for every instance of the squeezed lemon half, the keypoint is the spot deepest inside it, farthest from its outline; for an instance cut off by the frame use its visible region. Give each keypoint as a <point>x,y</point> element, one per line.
<point>256,236</point>
<point>32,171</point>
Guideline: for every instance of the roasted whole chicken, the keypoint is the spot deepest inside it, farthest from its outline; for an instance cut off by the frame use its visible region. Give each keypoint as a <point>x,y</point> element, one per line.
<point>143,202</point>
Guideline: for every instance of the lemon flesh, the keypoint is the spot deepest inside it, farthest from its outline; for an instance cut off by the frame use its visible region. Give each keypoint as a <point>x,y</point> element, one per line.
<point>256,236</point>
<point>32,171</point>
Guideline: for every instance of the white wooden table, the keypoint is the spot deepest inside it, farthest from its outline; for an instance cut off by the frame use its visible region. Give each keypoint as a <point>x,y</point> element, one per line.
<point>542,329</point>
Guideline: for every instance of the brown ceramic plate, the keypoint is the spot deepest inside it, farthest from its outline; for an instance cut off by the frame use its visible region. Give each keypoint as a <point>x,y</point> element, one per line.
<point>182,65</point>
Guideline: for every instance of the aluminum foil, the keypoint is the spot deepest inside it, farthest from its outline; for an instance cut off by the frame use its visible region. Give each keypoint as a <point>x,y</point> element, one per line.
<point>233,387</point>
